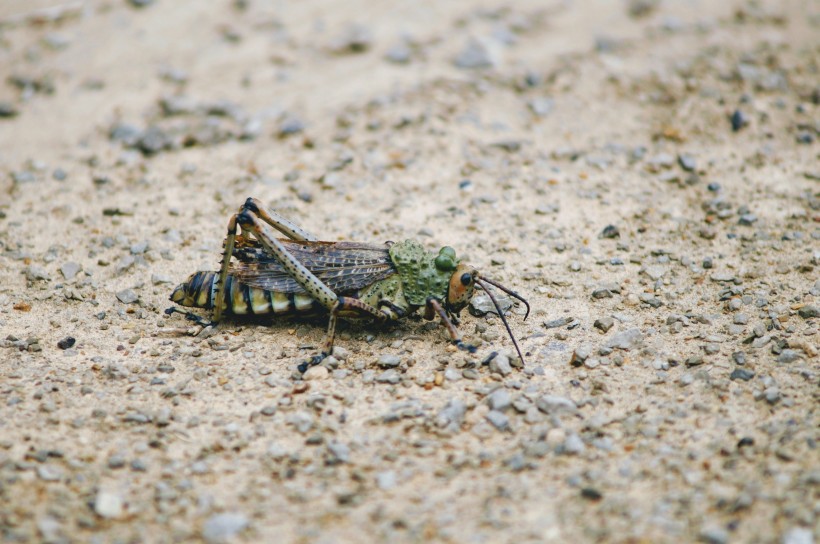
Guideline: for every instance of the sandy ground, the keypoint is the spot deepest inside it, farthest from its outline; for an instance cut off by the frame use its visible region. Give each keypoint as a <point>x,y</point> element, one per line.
<point>670,389</point>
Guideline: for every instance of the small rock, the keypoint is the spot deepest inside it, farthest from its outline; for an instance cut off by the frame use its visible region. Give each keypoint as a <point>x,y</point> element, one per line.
<point>160,279</point>
<point>36,273</point>
<point>611,231</point>
<point>108,504</point>
<point>389,376</point>
<point>499,400</point>
<point>388,360</point>
<point>498,420</point>
<point>289,126</point>
<point>70,269</point>
<point>223,527</point>
<point>339,451</point>
<point>400,53</point>
<point>738,120</point>
<point>772,395</point>
<point>66,342</point>
<point>798,535</point>
<point>127,296</point>
<point>475,55</point>
<point>625,340</point>
<point>573,445</point>
<point>482,305</point>
<point>788,356</point>
<point>316,373</point>
<point>687,162</point>
<point>604,324</point>
<point>501,365</point>
<point>553,404</point>
<point>741,374</point>
<point>809,311</point>
<point>386,480</point>
<point>714,535</point>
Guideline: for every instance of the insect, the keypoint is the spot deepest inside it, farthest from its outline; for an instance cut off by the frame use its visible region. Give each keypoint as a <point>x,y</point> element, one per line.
<point>299,275</point>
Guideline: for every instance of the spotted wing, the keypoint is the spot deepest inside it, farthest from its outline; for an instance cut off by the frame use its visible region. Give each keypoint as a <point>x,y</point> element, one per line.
<point>342,266</point>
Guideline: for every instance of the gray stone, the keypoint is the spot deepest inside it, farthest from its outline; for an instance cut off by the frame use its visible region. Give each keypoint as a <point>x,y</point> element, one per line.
<point>108,504</point>
<point>388,360</point>
<point>798,535</point>
<point>389,376</point>
<point>788,356</point>
<point>604,324</point>
<point>475,55</point>
<point>35,273</point>
<point>452,415</point>
<point>625,340</point>
<point>223,527</point>
<point>499,400</point>
<point>127,296</point>
<point>70,269</point>
<point>386,480</point>
<point>809,311</point>
<point>501,365</point>
<point>498,420</point>
<point>482,305</point>
<point>340,452</point>
<point>553,404</point>
<point>573,445</point>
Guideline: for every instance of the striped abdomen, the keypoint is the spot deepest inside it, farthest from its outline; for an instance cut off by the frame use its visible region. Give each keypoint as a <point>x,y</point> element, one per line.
<point>199,291</point>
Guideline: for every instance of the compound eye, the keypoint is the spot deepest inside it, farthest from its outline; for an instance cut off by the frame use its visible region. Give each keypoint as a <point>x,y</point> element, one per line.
<point>466,279</point>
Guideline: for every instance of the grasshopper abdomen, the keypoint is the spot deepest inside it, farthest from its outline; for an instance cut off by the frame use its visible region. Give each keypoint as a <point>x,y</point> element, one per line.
<point>199,291</point>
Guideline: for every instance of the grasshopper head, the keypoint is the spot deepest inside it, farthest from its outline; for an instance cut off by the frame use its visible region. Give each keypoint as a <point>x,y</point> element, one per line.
<point>194,292</point>
<point>461,288</point>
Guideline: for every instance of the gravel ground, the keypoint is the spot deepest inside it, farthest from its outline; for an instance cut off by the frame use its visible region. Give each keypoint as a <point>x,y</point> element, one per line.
<point>644,172</point>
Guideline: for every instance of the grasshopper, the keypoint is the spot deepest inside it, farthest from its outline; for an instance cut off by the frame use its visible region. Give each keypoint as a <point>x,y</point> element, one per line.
<point>300,275</point>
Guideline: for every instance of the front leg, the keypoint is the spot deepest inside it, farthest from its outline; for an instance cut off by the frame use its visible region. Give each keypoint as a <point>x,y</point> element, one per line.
<point>434,307</point>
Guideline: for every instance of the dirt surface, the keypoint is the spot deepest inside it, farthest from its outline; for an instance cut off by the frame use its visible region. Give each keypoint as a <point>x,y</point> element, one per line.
<point>645,173</point>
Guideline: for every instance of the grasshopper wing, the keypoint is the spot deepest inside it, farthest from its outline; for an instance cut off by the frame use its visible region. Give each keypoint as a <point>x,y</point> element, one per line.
<point>342,266</point>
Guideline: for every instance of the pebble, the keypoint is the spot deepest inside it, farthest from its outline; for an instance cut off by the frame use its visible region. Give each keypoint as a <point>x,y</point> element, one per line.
<point>738,120</point>
<point>315,373</point>
<point>714,535</point>
<point>222,527</point>
<point>339,451</point>
<point>541,106</point>
<point>35,273</point>
<point>555,323</point>
<point>553,404</point>
<point>474,55</point>
<point>798,535</point>
<point>499,400</point>
<point>772,395</point>
<point>70,269</point>
<point>501,365</point>
<point>66,342</point>
<point>452,374</point>
<point>386,480</point>
<point>625,340</point>
<point>741,374</point>
<point>809,311</point>
<point>482,305</point>
<point>739,357</point>
<point>604,324</point>
<point>573,445</point>
<point>498,420</point>
<point>127,296</point>
<point>740,318</point>
<point>788,356</point>
<point>389,360</point>
<point>399,53</point>
<point>687,162</point>
<point>389,376</point>
<point>452,415</point>
<point>49,473</point>
<point>611,231</point>
<point>108,504</point>
<point>289,126</point>
<point>601,293</point>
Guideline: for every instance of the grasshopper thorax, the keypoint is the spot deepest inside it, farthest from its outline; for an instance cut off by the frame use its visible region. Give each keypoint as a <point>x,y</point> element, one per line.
<point>427,275</point>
